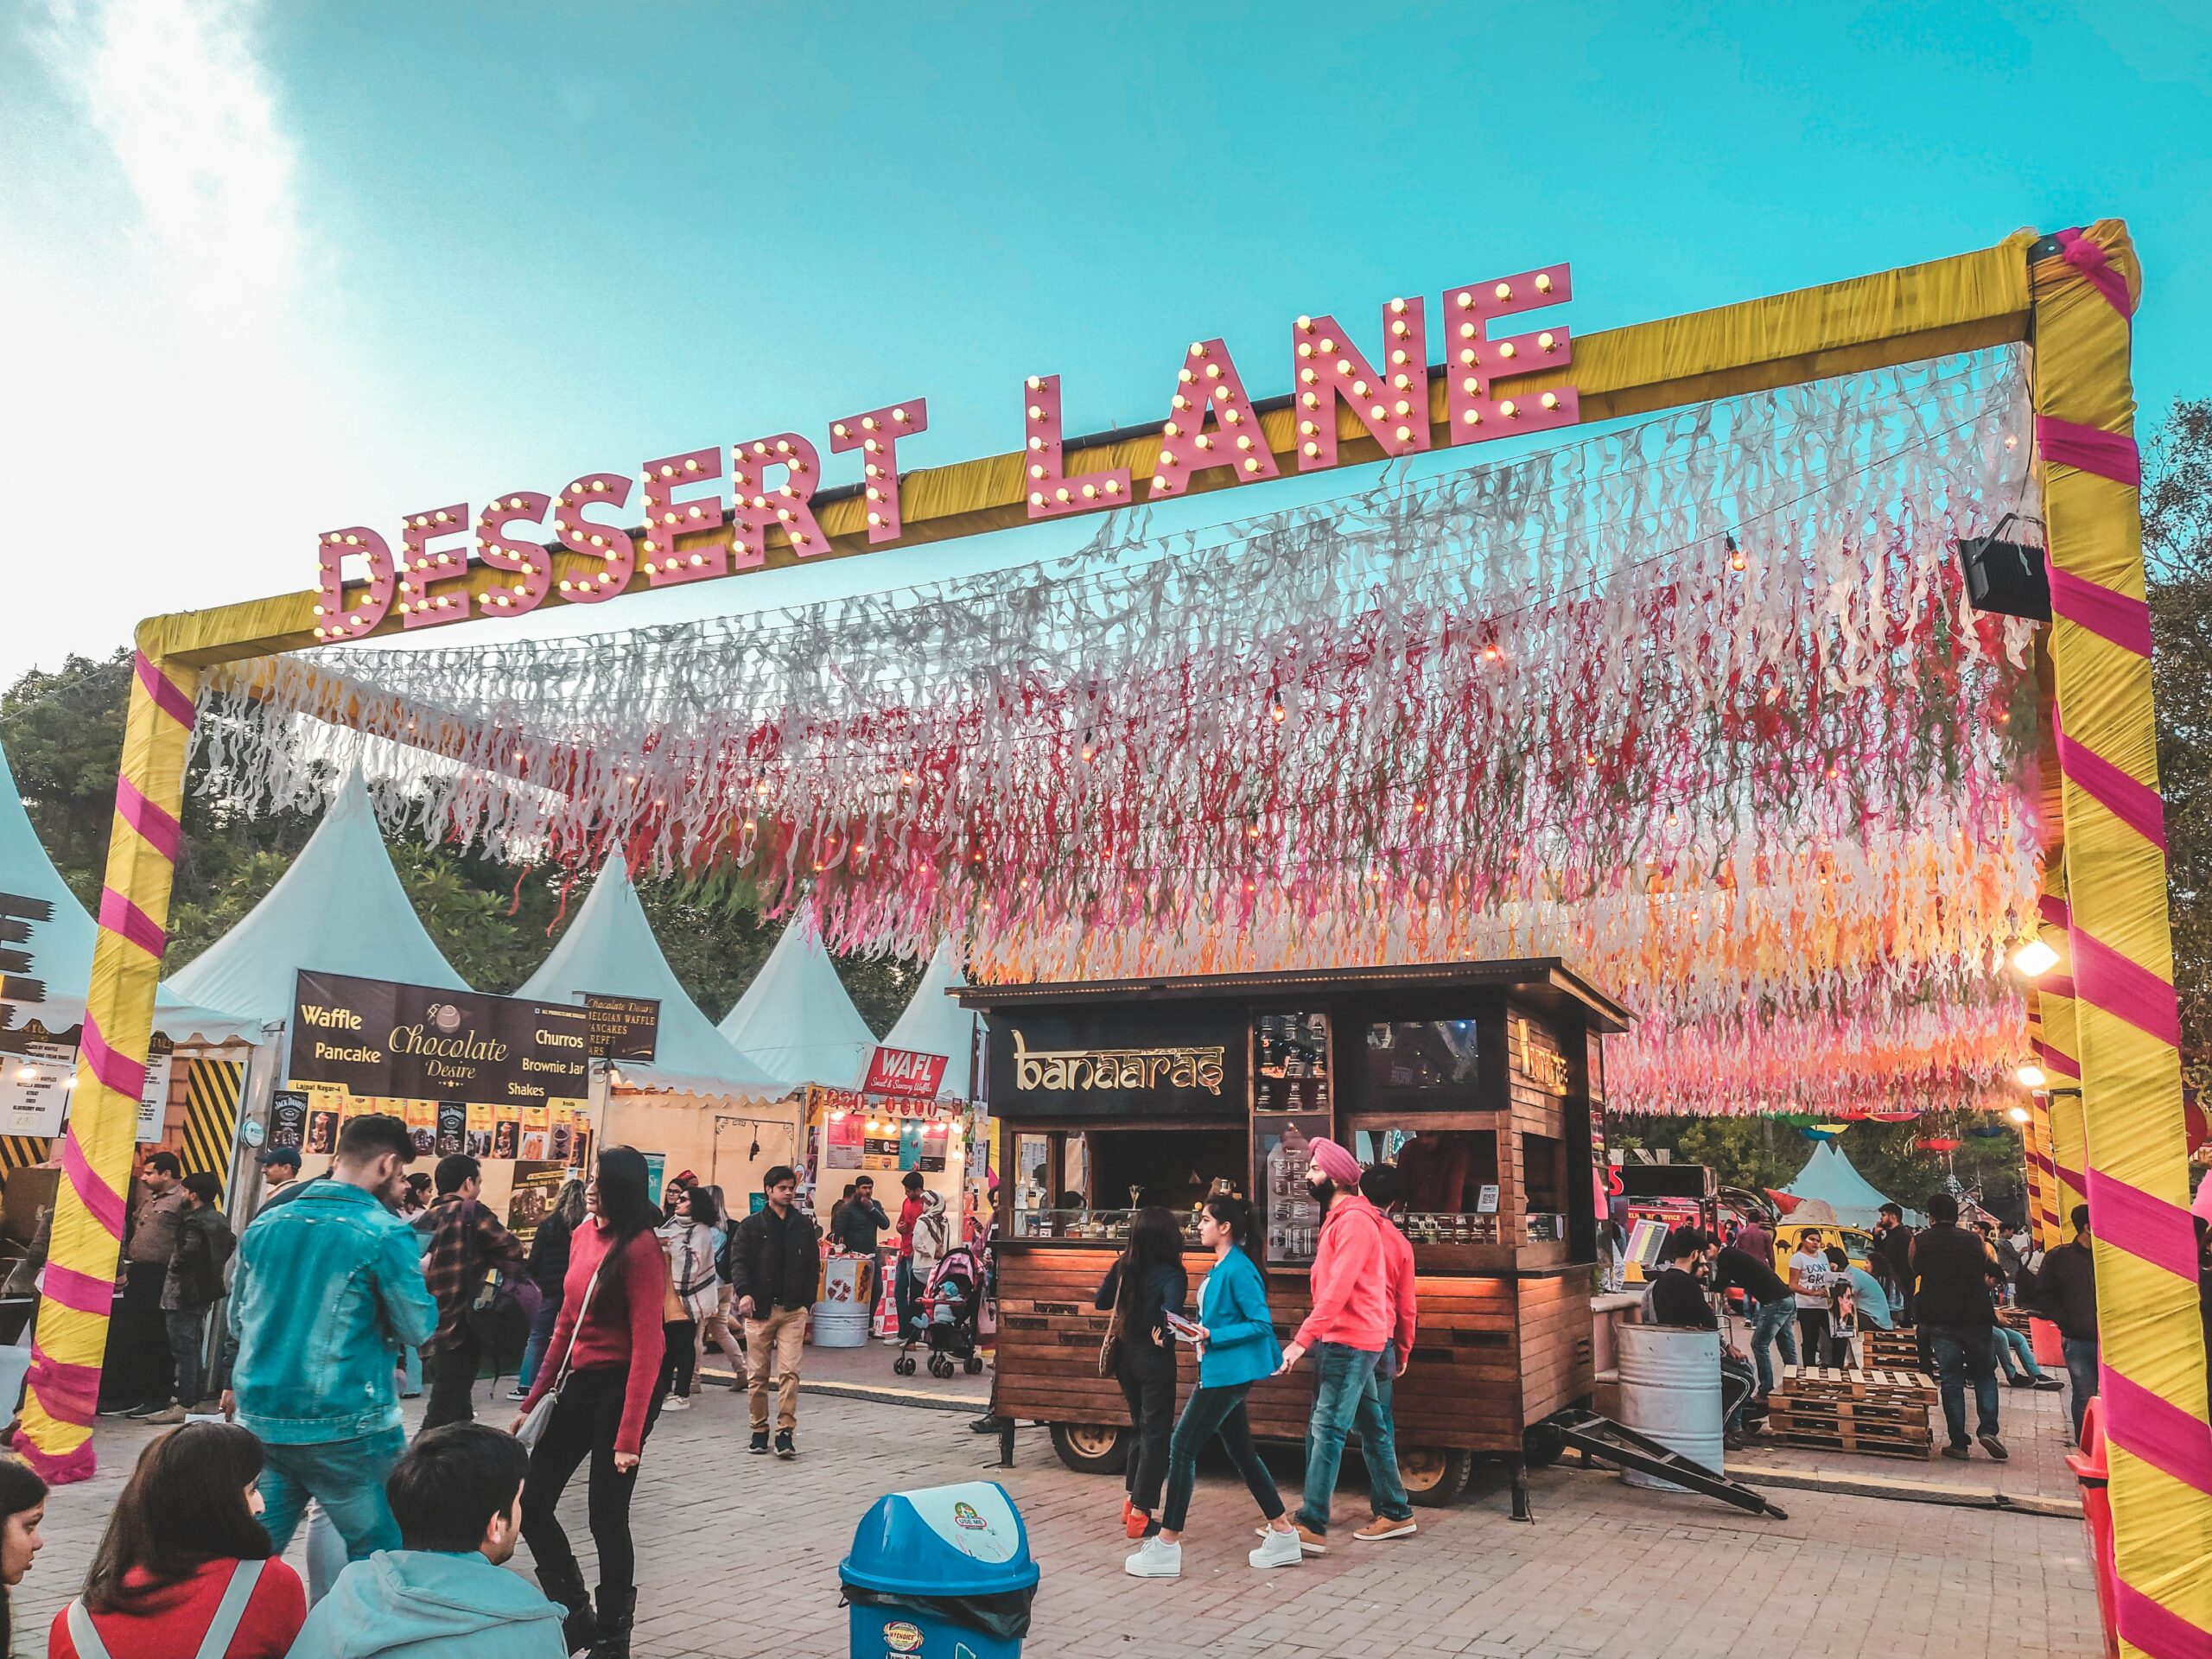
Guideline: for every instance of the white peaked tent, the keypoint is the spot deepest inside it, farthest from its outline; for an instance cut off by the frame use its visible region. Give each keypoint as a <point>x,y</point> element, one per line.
<point>339,909</point>
<point>795,1020</point>
<point>610,949</point>
<point>61,949</point>
<point>1830,1178</point>
<point>935,1024</point>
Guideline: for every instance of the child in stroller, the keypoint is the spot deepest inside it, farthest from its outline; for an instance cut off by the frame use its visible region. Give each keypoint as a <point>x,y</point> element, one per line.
<point>950,1305</point>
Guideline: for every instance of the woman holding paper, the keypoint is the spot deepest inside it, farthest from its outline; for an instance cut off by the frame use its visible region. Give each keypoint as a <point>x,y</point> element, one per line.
<point>1236,1340</point>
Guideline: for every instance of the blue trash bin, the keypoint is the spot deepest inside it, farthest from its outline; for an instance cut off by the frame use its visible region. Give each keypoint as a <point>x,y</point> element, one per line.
<point>940,1573</point>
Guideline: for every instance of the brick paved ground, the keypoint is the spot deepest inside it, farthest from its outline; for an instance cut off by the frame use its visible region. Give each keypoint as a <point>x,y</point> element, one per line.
<point>739,1557</point>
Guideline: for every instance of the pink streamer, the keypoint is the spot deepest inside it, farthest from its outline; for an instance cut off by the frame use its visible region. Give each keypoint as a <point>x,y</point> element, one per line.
<point>2108,455</point>
<point>2117,617</point>
<point>119,915</point>
<point>2127,989</point>
<point>2134,803</point>
<point>170,701</point>
<point>2090,258</point>
<point>2128,1218</point>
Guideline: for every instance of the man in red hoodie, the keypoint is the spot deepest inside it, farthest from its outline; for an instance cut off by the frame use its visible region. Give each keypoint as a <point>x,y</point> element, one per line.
<point>1353,1320</point>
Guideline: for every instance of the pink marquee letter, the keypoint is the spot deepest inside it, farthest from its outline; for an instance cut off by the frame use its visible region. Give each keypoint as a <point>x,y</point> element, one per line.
<point>1392,404</point>
<point>1208,379</point>
<point>530,564</point>
<point>876,434</point>
<point>613,548</point>
<point>424,570</point>
<point>756,507</point>
<point>666,518</point>
<point>1051,493</point>
<point>333,620</point>
<point>1476,362</point>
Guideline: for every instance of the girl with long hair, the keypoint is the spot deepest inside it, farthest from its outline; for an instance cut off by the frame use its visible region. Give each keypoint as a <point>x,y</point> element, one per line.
<point>185,1567</point>
<point>1237,1347</point>
<point>603,1364</point>
<point>1144,1286</point>
<point>23,1508</point>
<point>549,1269</point>
<point>688,1239</point>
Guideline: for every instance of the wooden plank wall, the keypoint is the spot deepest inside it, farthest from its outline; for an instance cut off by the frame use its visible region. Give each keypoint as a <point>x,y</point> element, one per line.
<point>1465,1390</point>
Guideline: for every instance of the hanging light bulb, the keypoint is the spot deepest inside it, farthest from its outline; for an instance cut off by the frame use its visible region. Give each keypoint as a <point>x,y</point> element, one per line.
<point>2018,1115</point>
<point>2034,959</point>
<point>2031,1076</point>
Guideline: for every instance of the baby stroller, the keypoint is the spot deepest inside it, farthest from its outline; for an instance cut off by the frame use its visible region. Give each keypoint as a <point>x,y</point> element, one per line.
<point>950,1305</point>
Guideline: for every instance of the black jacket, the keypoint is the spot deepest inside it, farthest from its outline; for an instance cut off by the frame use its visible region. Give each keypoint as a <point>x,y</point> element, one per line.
<point>1677,1299</point>
<point>548,1255</point>
<point>777,1263</point>
<point>1951,1273</point>
<point>2064,1290</point>
<point>1897,1257</point>
<point>1163,1289</point>
<point>859,1223</point>
<point>1755,1277</point>
<point>203,1242</point>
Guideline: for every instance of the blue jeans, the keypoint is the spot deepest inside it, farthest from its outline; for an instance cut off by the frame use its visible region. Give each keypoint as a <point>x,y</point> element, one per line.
<point>2016,1356</point>
<point>1207,1413</point>
<point>1344,1374</point>
<point>345,1476</point>
<point>541,1334</point>
<point>410,1373</point>
<point>1378,1439</point>
<point>1960,1351</point>
<point>2082,1371</point>
<point>1771,1322</point>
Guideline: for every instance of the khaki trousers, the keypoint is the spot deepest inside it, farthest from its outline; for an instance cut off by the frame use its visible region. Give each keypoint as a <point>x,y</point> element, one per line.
<point>780,1338</point>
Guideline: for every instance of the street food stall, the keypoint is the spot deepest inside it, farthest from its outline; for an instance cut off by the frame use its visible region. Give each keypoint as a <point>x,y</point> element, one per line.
<point>1478,1079</point>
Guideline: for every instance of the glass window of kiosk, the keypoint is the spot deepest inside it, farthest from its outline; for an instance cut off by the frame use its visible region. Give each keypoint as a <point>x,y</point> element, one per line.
<point>1084,1184</point>
<point>1543,1183</point>
<point>1421,1064</point>
<point>1447,1176</point>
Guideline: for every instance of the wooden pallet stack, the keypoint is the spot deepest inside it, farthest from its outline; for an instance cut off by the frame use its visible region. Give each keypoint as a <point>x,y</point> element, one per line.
<point>1890,1350</point>
<point>1878,1410</point>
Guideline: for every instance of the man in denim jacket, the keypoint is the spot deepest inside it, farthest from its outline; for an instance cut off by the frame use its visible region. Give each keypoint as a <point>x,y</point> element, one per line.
<point>328,1291</point>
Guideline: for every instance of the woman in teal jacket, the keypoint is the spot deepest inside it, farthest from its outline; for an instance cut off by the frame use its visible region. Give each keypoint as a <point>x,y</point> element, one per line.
<point>1237,1347</point>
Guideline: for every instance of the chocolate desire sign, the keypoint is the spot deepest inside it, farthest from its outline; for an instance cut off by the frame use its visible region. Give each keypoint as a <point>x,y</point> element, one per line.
<point>418,1042</point>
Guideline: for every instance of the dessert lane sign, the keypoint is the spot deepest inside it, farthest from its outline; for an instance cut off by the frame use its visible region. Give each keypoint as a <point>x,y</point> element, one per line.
<point>768,485</point>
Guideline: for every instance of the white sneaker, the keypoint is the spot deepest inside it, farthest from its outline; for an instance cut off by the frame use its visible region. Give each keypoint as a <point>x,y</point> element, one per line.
<point>1155,1560</point>
<point>1279,1549</point>
<point>675,1403</point>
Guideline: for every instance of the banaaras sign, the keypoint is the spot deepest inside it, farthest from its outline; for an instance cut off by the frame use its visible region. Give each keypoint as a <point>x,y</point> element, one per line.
<point>1211,423</point>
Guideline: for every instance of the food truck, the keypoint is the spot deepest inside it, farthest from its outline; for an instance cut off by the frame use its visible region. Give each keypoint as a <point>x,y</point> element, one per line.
<point>1479,1080</point>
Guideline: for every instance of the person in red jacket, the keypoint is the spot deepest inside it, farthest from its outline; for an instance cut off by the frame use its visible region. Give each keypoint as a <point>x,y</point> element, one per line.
<point>185,1567</point>
<point>601,1364</point>
<point>1376,1420</point>
<point>904,1287</point>
<point>1353,1321</point>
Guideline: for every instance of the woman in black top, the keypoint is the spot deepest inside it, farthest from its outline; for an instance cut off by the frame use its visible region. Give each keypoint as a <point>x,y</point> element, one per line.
<point>1145,1283</point>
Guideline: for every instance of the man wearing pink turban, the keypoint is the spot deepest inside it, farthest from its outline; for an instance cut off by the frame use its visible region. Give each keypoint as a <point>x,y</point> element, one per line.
<point>1352,1322</point>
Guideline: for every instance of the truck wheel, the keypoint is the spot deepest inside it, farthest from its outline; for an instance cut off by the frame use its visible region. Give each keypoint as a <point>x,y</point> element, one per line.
<point>1433,1476</point>
<point>1092,1448</point>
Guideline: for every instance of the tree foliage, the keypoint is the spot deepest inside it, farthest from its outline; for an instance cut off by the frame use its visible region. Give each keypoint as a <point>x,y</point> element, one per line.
<point>2177,554</point>
<point>63,731</point>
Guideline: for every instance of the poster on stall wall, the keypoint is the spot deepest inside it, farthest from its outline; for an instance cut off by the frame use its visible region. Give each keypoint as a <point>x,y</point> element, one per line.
<point>843,1145</point>
<point>453,1126</point>
<point>655,1162</point>
<point>480,1129</point>
<point>537,1134</point>
<point>506,1129</point>
<point>322,1126</point>
<point>288,1118</point>
<point>536,1184</point>
<point>421,1117</point>
<point>880,1148</point>
<point>34,1088</point>
<point>154,1096</point>
<point>561,1131</point>
<point>930,1149</point>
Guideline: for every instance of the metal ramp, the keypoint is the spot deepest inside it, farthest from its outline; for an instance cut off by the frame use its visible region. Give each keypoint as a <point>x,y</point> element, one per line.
<point>1603,1438</point>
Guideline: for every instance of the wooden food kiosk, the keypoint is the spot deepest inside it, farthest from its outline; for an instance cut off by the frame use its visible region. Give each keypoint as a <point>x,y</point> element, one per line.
<point>1478,1079</point>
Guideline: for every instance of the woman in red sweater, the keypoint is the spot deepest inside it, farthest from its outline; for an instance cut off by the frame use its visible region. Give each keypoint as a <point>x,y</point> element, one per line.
<point>601,1364</point>
<point>184,1555</point>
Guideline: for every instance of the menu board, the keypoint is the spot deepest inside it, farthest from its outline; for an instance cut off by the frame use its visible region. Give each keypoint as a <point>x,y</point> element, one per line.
<point>622,1027</point>
<point>1291,1109</point>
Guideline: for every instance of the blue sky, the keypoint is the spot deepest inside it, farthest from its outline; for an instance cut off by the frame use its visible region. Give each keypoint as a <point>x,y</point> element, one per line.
<point>266,270</point>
